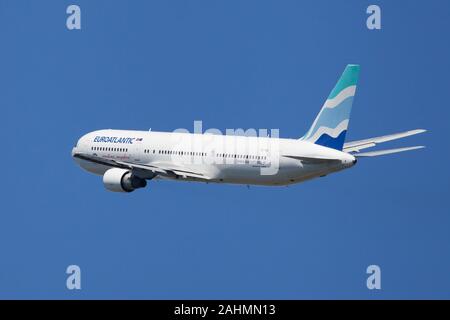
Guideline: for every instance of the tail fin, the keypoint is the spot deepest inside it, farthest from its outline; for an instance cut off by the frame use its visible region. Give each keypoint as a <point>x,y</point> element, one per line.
<point>331,123</point>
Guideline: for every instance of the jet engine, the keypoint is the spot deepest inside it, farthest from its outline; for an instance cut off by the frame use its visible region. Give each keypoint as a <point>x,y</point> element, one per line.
<point>122,180</point>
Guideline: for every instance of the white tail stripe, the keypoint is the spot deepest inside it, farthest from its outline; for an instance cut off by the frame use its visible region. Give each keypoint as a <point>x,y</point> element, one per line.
<point>332,132</point>
<point>344,94</point>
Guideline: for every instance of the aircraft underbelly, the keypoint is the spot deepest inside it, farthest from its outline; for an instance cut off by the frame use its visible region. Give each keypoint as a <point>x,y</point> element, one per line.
<point>266,176</point>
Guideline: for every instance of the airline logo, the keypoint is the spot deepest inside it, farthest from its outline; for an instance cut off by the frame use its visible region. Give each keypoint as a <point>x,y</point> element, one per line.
<point>124,140</point>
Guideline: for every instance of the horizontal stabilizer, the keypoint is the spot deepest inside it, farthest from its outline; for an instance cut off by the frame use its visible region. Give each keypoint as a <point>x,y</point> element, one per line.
<point>355,146</point>
<point>383,152</point>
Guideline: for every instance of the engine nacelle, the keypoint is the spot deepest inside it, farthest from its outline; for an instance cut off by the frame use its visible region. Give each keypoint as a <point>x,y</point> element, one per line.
<point>122,180</point>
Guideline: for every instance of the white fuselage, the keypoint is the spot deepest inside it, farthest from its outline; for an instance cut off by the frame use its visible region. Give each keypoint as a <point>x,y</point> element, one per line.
<point>220,158</point>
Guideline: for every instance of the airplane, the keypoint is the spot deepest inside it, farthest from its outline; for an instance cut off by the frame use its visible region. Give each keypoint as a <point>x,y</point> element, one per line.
<point>127,159</point>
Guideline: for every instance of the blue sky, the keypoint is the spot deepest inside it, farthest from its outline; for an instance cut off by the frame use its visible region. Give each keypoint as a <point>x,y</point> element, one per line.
<point>231,64</point>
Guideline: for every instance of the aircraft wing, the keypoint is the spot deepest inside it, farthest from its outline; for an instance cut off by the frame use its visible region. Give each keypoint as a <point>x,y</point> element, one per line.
<point>145,171</point>
<point>354,147</point>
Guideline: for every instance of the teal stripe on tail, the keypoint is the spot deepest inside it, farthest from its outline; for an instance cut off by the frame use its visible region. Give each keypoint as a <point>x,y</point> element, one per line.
<point>330,126</point>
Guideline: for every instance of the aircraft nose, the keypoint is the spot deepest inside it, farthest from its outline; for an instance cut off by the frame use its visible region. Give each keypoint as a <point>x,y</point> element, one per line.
<point>76,147</point>
<point>74,151</point>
